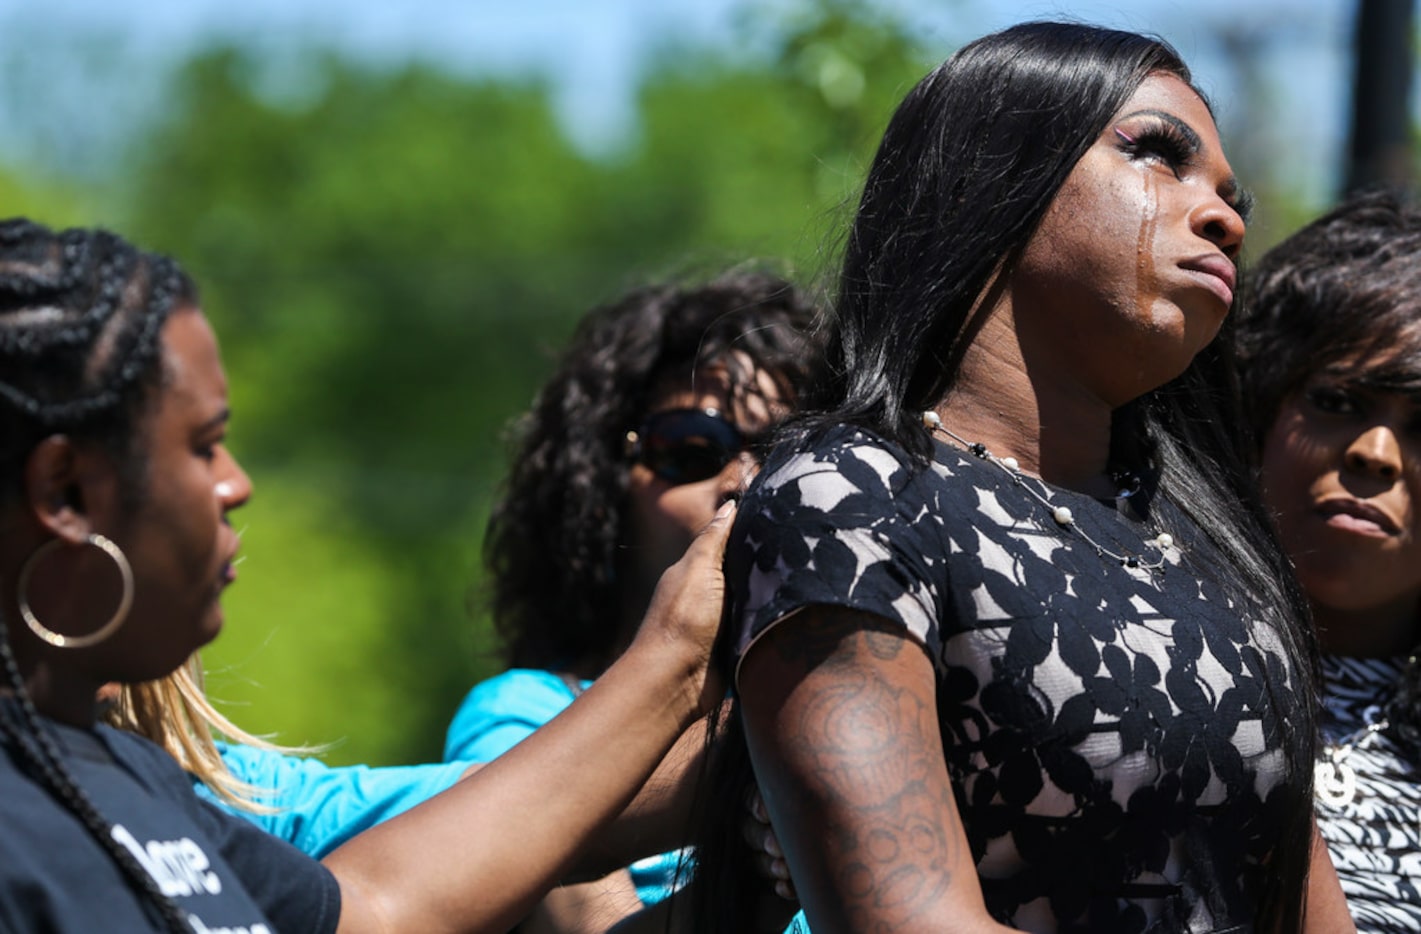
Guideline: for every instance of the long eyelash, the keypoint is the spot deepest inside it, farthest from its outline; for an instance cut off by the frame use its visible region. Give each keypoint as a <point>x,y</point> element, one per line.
<point>1159,139</point>
<point>1242,203</point>
<point>1177,150</point>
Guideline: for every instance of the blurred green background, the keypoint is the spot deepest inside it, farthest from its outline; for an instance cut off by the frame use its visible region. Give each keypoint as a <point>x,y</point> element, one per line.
<point>392,252</point>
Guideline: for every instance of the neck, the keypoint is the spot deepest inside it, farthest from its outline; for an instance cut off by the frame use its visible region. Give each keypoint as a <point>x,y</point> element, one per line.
<point>57,697</point>
<point>54,682</point>
<point>59,691</point>
<point>1376,632</point>
<point>1055,428</point>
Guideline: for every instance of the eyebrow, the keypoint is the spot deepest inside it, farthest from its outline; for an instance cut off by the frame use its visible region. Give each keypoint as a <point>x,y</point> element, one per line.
<point>1239,198</point>
<point>219,420</point>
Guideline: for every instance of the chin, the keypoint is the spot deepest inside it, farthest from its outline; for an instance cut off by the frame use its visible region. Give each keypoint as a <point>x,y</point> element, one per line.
<point>1337,591</point>
<point>208,624</point>
<point>151,668</point>
<point>211,627</point>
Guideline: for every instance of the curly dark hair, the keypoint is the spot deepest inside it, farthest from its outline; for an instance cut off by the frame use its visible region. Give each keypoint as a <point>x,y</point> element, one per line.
<point>552,540</point>
<point>1343,293</point>
<point>81,314</point>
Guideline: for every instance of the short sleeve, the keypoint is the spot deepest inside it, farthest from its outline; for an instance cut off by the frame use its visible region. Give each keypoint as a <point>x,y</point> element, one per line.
<point>320,807</point>
<point>502,711</point>
<point>838,523</point>
<point>294,891</point>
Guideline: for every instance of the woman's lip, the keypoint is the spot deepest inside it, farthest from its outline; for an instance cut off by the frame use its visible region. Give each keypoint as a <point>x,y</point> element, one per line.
<point>230,542</point>
<point>1217,272</point>
<point>229,568</point>
<point>1354,515</point>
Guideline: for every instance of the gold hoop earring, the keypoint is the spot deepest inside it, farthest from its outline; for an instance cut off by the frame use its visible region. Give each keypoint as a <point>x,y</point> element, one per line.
<point>120,560</point>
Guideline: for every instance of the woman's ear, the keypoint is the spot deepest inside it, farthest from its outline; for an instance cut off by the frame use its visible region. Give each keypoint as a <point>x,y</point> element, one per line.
<point>63,482</point>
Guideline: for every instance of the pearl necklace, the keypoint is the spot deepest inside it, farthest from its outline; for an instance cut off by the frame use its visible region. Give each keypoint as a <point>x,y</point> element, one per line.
<point>1163,543</point>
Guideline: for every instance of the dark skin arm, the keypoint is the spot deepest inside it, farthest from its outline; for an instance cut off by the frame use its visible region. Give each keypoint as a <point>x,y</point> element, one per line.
<point>657,820</point>
<point>599,891</point>
<point>841,718</point>
<point>479,856</point>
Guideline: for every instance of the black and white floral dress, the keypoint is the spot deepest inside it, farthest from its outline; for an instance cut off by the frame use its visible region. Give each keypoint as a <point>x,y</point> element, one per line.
<point>1372,823</point>
<point>1114,736</point>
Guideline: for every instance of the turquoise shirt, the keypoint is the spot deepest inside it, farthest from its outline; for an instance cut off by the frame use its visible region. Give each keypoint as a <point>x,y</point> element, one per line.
<point>321,806</point>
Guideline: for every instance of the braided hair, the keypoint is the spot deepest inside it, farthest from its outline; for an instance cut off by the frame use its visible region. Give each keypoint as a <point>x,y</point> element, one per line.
<point>81,312</point>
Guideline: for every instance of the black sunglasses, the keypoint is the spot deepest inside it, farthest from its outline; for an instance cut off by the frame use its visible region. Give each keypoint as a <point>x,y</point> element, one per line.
<point>686,445</point>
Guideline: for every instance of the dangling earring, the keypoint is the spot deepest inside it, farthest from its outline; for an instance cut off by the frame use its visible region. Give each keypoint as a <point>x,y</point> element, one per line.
<point>103,632</point>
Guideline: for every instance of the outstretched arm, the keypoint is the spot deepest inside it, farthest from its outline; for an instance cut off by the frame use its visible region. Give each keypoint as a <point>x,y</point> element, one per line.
<point>841,718</point>
<point>477,857</point>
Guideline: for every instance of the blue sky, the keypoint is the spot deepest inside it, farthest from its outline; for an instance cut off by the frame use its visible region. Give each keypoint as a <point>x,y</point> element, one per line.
<point>593,49</point>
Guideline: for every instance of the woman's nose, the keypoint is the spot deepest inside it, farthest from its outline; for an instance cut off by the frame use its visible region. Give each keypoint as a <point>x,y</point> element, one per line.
<point>1375,453</point>
<point>1220,222</point>
<point>235,487</point>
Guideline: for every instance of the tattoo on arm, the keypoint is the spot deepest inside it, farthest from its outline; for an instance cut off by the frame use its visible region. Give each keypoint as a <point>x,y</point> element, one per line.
<point>869,749</point>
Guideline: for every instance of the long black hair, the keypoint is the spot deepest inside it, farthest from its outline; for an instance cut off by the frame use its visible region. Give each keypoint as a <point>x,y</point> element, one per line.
<point>969,164</point>
<point>81,313</point>
<point>555,537</point>
<point>1342,294</point>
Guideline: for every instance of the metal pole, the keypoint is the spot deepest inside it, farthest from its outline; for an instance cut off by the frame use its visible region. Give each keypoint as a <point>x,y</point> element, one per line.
<point>1379,151</point>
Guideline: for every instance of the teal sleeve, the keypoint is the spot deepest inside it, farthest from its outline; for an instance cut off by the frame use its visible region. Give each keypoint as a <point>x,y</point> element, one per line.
<point>319,807</point>
<point>503,710</point>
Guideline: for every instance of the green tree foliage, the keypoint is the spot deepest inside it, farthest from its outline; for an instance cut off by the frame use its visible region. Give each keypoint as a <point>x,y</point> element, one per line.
<point>22,195</point>
<point>767,157</point>
<point>391,258</point>
<point>388,262</point>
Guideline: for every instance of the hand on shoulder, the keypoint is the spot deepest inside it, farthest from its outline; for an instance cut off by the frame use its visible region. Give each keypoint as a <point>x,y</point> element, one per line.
<point>683,620</point>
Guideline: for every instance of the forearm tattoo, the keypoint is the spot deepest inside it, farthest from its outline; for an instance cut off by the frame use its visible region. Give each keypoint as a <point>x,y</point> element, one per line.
<point>872,749</point>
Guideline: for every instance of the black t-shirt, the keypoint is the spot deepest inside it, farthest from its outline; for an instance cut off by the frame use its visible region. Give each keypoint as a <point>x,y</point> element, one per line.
<point>1115,736</point>
<point>227,874</point>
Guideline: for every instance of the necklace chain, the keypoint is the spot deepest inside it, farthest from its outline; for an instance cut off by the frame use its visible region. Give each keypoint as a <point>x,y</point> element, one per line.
<point>1334,781</point>
<point>1163,543</point>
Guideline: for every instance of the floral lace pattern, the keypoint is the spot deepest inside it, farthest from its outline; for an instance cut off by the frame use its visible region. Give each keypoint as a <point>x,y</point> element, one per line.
<point>1114,736</point>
